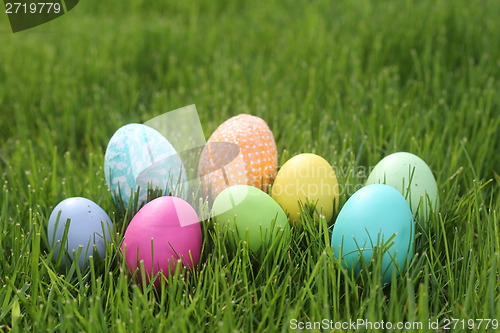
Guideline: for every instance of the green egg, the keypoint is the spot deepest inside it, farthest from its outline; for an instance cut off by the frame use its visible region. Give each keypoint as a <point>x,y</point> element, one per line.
<point>413,178</point>
<point>256,217</point>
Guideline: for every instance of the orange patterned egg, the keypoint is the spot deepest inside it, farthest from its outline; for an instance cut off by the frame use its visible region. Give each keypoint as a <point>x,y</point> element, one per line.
<point>254,163</point>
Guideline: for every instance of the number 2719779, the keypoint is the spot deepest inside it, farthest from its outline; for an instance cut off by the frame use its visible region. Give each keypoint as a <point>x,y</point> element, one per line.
<point>32,8</point>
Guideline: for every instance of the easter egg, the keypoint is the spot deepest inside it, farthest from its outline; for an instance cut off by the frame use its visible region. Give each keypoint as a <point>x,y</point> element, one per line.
<point>139,157</point>
<point>163,231</point>
<point>256,217</point>
<point>89,227</point>
<point>255,163</point>
<point>412,177</point>
<point>306,179</point>
<point>374,216</point>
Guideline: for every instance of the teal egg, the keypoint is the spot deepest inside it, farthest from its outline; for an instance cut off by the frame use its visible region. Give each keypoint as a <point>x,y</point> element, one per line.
<point>138,156</point>
<point>376,215</point>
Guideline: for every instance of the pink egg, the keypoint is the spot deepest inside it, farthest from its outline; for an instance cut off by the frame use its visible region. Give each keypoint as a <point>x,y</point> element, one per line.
<point>173,227</point>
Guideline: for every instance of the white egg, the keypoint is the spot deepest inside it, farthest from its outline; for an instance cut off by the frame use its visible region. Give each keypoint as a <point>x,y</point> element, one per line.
<point>413,178</point>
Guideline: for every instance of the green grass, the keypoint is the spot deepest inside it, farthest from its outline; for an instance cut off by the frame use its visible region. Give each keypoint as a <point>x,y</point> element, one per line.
<point>350,80</point>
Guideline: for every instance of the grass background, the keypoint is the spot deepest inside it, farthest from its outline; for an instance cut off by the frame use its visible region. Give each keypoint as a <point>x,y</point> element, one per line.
<point>350,80</point>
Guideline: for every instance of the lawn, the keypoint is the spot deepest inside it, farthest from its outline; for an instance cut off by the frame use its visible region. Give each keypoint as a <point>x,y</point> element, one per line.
<point>352,81</point>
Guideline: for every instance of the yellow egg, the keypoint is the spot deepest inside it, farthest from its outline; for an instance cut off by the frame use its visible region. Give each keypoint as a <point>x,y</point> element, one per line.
<point>306,178</point>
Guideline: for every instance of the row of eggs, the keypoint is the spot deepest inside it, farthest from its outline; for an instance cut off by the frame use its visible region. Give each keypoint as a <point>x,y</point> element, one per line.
<point>138,158</point>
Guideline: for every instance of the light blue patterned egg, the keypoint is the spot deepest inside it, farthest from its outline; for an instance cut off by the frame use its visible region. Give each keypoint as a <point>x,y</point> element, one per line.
<point>139,157</point>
